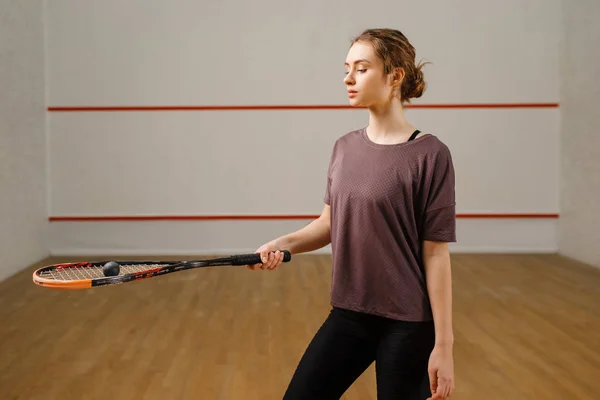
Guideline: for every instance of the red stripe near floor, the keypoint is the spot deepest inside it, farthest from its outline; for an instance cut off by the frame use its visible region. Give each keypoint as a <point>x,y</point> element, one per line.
<point>286,107</point>
<point>508,216</point>
<point>263,217</point>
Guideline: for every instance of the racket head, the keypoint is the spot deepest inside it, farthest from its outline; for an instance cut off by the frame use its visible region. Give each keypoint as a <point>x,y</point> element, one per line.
<point>88,274</point>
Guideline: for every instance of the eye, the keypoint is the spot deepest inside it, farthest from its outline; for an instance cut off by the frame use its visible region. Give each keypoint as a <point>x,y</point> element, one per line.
<point>358,70</point>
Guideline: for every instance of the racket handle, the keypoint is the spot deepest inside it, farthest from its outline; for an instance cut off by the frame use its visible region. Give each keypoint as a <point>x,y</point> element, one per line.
<point>250,259</point>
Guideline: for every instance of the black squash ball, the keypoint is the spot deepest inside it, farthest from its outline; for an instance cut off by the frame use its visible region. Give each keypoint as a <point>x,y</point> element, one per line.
<point>111,268</point>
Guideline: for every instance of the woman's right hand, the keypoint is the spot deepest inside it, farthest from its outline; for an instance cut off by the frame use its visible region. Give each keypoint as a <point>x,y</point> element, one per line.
<point>271,257</point>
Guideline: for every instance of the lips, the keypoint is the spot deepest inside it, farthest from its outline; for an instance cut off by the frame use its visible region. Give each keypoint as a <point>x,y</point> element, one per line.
<point>352,93</point>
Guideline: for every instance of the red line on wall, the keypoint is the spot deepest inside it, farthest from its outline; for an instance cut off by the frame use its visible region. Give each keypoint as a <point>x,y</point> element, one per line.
<point>262,217</point>
<point>182,217</point>
<point>508,216</point>
<point>284,107</point>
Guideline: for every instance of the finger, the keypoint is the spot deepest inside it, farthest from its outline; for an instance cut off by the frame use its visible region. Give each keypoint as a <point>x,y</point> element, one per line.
<point>252,267</point>
<point>442,389</point>
<point>278,259</point>
<point>272,261</point>
<point>264,257</point>
<point>269,262</point>
<point>275,261</point>
<point>433,384</point>
<point>448,388</point>
<point>265,260</point>
<point>257,265</point>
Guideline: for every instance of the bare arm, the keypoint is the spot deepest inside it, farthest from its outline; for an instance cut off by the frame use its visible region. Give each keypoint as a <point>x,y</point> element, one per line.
<point>313,236</point>
<point>436,258</point>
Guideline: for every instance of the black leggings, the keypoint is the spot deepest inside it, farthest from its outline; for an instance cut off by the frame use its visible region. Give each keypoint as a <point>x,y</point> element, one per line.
<point>348,342</point>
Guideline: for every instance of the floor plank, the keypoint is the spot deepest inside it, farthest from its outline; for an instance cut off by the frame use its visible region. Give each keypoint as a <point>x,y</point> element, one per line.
<point>526,327</point>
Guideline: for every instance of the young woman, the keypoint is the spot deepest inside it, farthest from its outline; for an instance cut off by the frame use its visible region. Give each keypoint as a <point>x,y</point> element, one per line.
<point>389,215</point>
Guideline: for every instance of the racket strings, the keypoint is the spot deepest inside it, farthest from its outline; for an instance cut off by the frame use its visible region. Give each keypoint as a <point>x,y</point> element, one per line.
<point>92,271</point>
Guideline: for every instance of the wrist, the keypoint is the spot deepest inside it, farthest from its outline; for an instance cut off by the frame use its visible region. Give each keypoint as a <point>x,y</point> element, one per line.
<point>444,341</point>
<point>281,243</point>
<point>444,345</point>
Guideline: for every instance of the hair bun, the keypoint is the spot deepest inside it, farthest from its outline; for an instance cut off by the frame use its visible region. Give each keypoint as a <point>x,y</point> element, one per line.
<point>416,87</point>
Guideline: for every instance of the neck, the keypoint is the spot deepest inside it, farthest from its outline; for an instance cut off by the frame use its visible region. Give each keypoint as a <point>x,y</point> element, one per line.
<point>387,123</point>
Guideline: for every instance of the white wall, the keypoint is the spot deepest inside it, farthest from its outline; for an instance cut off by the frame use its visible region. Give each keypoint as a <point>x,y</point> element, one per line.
<point>249,162</point>
<point>23,212</point>
<point>580,141</point>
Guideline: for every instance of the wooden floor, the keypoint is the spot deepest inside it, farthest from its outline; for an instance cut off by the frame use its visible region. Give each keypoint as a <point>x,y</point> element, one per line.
<point>526,327</point>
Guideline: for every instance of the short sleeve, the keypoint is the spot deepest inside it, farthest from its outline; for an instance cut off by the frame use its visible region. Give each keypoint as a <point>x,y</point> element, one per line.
<point>327,196</point>
<point>440,203</point>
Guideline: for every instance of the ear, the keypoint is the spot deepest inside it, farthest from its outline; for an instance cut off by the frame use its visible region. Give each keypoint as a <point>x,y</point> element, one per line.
<point>397,77</point>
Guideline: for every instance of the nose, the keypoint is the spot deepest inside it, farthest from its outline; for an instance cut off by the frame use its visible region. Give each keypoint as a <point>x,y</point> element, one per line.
<point>349,78</point>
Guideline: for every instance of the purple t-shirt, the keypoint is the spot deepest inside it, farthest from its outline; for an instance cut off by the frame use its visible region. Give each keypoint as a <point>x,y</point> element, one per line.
<point>385,200</point>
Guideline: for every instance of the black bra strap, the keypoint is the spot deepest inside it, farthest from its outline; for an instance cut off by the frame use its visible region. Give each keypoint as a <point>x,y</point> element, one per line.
<point>414,135</point>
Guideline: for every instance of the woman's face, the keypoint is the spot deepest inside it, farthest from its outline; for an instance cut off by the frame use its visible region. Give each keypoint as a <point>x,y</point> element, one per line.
<point>365,81</point>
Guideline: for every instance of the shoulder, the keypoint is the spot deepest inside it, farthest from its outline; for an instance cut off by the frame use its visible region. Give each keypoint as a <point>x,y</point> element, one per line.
<point>435,144</point>
<point>434,148</point>
<point>433,158</point>
<point>347,139</point>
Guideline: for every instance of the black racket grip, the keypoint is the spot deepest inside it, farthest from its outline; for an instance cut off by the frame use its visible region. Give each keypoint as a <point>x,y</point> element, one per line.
<point>250,259</point>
